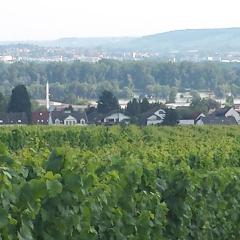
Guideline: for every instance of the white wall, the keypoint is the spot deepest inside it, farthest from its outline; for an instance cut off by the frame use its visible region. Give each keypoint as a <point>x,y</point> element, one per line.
<point>233,113</point>
<point>156,118</point>
<point>186,122</point>
<point>199,122</point>
<point>116,117</point>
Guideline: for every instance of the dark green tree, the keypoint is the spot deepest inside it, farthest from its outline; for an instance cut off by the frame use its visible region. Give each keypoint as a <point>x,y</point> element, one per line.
<point>172,95</point>
<point>20,101</point>
<point>229,100</point>
<point>203,105</point>
<point>144,105</point>
<point>171,117</point>
<point>2,103</point>
<point>212,104</point>
<point>195,96</point>
<point>107,102</point>
<point>69,108</point>
<point>133,108</point>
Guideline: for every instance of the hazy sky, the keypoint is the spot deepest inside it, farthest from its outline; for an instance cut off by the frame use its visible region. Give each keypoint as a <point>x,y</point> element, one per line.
<point>51,19</point>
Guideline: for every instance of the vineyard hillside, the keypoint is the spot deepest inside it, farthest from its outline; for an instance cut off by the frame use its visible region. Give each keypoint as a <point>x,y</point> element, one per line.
<point>121,182</point>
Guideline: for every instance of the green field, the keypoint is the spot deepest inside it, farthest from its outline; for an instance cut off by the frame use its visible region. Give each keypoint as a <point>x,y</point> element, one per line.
<point>120,183</point>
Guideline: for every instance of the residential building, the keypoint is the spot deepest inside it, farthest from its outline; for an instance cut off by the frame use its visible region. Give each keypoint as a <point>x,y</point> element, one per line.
<point>40,117</point>
<point>192,119</point>
<point>216,120</point>
<point>227,112</point>
<point>113,117</point>
<point>67,118</point>
<point>154,116</point>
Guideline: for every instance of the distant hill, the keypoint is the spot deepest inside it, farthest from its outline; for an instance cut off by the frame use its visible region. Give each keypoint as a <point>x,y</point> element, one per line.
<point>104,42</point>
<point>225,39</point>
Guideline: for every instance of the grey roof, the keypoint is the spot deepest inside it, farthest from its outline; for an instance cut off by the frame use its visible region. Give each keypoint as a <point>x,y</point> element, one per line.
<point>219,120</point>
<point>95,117</point>
<point>13,118</point>
<point>221,111</point>
<point>61,115</point>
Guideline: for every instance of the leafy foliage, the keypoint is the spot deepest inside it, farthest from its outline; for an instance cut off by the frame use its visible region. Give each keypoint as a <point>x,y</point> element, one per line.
<point>122,182</point>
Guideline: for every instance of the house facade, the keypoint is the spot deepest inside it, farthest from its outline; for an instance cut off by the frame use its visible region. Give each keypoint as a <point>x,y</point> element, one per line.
<point>67,118</point>
<point>231,112</point>
<point>186,122</point>
<point>216,120</point>
<point>116,117</point>
<point>192,119</point>
<point>224,115</point>
<point>111,118</point>
<point>154,116</point>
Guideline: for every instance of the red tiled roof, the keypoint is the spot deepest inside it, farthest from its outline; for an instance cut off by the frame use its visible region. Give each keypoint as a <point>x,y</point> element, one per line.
<point>40,117</point>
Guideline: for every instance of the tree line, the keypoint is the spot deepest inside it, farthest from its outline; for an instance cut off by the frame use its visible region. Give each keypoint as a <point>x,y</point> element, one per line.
<point>73,81</point>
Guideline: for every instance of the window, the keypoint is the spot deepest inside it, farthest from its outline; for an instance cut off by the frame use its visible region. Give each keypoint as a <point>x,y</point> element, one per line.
<point>70,122</point>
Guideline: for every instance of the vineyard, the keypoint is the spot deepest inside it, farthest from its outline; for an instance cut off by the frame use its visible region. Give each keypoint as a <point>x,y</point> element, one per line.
<point>119,183</point>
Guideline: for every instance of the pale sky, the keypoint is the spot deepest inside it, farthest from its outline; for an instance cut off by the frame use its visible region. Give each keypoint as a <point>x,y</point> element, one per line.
<point>52,19</point>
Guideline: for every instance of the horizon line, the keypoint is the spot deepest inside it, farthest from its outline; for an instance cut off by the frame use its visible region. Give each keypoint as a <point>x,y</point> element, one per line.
<point>113,37</point>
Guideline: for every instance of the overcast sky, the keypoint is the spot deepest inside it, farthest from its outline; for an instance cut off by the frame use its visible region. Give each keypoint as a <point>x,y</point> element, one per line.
<point>51,19</point>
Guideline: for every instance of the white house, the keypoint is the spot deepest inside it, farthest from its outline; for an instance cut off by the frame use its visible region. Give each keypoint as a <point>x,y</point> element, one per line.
<point>216,120</point>
<point>192,120</point>
<point>186,122</point>
<point>67,118</point>
<point>154,116</point>
<point>116,117</point>
<point>227,112</point>
<point>222,116</point>
<point>233,113</point>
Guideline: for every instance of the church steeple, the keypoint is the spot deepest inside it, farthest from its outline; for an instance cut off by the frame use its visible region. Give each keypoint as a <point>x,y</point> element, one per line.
<point>47,97</point>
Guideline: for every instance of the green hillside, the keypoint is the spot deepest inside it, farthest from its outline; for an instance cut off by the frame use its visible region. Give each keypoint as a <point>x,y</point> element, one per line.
<point>222,39</point>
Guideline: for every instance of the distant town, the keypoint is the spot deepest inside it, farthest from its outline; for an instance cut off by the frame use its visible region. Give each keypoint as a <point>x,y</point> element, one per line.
<point>34,53</point>
<point>196,45</point>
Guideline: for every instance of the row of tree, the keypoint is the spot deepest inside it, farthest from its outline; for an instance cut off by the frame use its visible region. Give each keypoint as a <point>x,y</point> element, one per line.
<point>72,81</point>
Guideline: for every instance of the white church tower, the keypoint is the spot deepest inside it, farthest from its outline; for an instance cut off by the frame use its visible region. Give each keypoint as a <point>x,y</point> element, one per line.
<point>47,97</point>
<point>48,104</point>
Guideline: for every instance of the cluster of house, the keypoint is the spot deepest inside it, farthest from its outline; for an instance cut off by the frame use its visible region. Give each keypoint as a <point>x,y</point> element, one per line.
<point>222,116</point>
<point>155,116</point>
<point>69,118</point>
